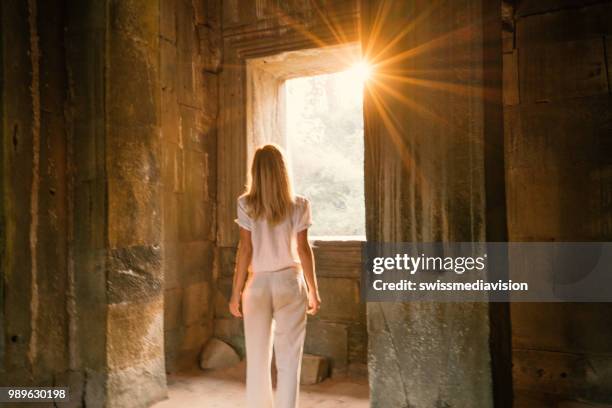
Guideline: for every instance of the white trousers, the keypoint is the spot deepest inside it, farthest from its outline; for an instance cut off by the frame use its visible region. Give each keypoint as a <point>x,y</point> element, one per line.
<point>274,308</point>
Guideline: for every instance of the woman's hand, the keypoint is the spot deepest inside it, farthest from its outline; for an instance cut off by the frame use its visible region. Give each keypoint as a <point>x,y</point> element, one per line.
<point>234,305</point>
<point>314,302</point>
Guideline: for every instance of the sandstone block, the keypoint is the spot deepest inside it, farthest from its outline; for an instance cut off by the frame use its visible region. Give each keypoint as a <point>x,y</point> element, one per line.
<point>557,71</point>
<point>314,369</point>
<point>340,299</point>
<point>338,259</point>
<point>195,336</point>
<point>330,340</point>
<point>195,302</point>
<point>358,370</point>
<point>227,261</point>
<point>218,354</point>
<point>195,262</point>
<point>172,308</point>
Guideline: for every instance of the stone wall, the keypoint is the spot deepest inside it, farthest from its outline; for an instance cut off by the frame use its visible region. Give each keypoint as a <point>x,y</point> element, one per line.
<point>190,61</point>
<point>108,113</point>
<point>558,119</point>
<point>338,331</point>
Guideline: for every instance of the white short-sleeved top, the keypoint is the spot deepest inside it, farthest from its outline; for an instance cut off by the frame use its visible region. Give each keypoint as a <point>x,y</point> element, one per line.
<point>275,247</point>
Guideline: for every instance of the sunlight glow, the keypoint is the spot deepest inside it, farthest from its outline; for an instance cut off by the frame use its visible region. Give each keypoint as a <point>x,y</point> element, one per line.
<point>351,82</point>
<point>360,71</point>
<point>324,128</point>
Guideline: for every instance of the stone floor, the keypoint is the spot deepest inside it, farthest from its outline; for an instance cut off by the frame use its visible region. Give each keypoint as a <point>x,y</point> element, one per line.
<point>225,388</point>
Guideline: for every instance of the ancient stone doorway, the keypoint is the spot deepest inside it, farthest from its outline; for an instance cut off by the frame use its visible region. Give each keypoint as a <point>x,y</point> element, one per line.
<point>339,332</point>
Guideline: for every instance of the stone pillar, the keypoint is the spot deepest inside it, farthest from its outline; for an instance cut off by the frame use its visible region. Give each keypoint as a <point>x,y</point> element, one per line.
<point>116,306</point>
<point>425,120</point>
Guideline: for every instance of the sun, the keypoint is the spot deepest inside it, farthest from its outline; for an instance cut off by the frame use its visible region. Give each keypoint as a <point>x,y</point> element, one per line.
<point>350,83</point>
<point>360,71</point>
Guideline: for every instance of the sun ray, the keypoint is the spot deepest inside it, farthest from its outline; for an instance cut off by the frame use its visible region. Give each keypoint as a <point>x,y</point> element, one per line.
<point>301,28</point>
<point>391,125</point>
<point>455,88</point>
<point>381,15</point>
<point>464,33</point>
<point>335,29</point>
<point>407,101</point>
<point>405,31</point>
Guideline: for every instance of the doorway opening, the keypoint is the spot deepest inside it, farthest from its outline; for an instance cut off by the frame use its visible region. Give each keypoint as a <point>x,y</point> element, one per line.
<point>324,128</point>
<point>310,102</point>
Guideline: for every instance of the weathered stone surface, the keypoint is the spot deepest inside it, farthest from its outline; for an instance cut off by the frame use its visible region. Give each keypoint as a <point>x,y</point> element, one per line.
<point>210,85</point>
<point>511,81</point>
<point>557,156</point>
<point>358,341</point>
<point>564,375</point>
<point>608,41</point>
<point>135,101</point>
<point>543,135</point>
<point>173,167</point>
<point>218,354</point>
<point>227,261</point>
<point>167,28</point>
<point>554,71</point>
<point>137,153</point>
<point>541,328</point>
<point>565,25</point>
<point>134,274</point>
<point>172,308</point>
<point>84,175</point>
<point>134,213</point>
<point>358,370</point>
<point>226,328</point>
<point>341,259</point>
<point>414,339</point>
<point>144,382</point>
<point>329,340</point>
<point>231,330</point>
<point>340,299</point>
<point>546,161</point>
<point>543,6</point>
<point>198,226</point>
<point>188,174</point>
<point>194,337</point>
<point>418,188</point>
<point>144,323</point>
<point>221,305</point>
<point>577,404</point>
<point>314,369</point>
<point>210,41</point>
<point>138,20</point>
<point>224,286</point>
<point>196,299</point>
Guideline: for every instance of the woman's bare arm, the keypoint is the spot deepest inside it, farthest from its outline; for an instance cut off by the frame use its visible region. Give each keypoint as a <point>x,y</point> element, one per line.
<point>308,266</point>
<point>243,261</point>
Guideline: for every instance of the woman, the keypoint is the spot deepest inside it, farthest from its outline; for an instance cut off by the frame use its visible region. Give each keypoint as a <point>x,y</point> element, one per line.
<point>275,300</point>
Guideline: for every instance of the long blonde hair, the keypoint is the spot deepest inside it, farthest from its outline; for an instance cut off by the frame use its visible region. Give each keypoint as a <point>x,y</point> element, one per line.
<point>269,193</point>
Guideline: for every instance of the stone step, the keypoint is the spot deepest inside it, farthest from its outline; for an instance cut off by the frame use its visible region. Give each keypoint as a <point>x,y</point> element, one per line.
<point>314,369</point>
